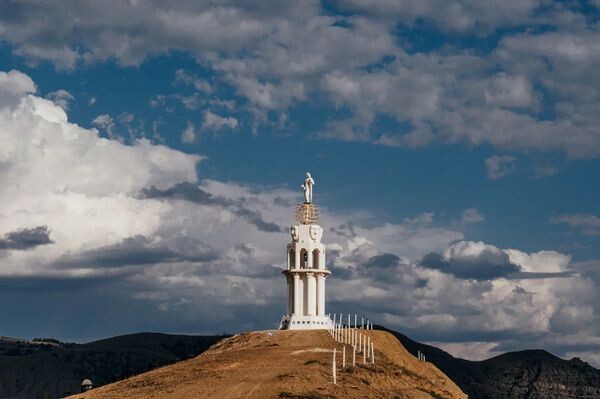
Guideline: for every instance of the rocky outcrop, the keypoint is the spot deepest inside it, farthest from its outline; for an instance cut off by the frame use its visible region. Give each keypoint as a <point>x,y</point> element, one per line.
<point>529,374</point>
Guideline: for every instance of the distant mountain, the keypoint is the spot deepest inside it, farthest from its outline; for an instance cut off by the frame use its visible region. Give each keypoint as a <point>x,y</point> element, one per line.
<point>524,374</point>
<point>49,369</point>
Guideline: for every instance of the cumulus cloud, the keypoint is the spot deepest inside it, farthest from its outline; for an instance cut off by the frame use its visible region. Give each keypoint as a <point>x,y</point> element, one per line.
<point>107,123</point>
<point>213,121</point>
<point>189,133</point>
<point>480,261</point>
<point>535,90</point>
<point>73,181</point>
<point>461,16</point>
<point>498,166</point>
<point>181,76</point>
<point>13,85</point>
<point>134,225</point>
<point>474,260</point>
<point>191,192</point>
<point>61,97</point>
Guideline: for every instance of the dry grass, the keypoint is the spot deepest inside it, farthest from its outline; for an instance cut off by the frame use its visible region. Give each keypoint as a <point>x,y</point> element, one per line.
<point>287,364</point>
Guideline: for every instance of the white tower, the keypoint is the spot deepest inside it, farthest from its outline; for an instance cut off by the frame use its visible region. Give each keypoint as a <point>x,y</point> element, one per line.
<point>305,271</point>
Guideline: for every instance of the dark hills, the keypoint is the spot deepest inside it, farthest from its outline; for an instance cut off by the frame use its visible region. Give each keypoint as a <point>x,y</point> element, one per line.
<point>49,369</point>
<point>528,374</point>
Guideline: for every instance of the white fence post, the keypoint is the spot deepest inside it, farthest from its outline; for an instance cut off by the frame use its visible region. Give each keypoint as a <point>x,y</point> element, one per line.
<point>344,356</point>
<point>359,342</point>
<point>334,368</point>
<point>372,353</point>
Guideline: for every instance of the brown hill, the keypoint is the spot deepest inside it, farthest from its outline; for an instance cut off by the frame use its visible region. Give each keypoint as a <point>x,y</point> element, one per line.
<point>287,364</point>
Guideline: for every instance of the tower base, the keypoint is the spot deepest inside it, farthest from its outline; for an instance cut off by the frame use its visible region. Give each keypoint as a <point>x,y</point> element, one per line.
<point>295,322</point>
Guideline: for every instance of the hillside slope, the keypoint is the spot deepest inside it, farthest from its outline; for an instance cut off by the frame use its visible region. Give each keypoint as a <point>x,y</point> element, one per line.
<point>286,364</point>
<point>514,375</point>
<point>50,370</point>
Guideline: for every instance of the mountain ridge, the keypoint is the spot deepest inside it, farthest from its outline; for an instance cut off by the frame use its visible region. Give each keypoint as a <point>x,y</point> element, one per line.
<point>529,373</point>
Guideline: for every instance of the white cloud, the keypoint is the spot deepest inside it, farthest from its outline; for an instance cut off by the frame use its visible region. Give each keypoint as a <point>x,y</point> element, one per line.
<point>61,97</point>
<point>472,215</point>
<point>189,134</point>
<point>509,91</point>
<point>478,350</point>
<point>213,121</point>
<point>586,222</point>
<point>181,76</point>
<point>107,123</point>
<point>13,85</point>
<point>275,57</point>
<point>453,16</point>
<point>83,186</point>
<point>498,166</point>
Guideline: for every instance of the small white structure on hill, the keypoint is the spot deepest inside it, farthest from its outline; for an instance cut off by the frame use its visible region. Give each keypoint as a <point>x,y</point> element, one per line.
<point>305,270</point>
<point>86,385</point>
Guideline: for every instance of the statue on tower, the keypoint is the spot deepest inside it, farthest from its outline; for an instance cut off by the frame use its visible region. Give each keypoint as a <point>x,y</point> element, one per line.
<point>308,188</point>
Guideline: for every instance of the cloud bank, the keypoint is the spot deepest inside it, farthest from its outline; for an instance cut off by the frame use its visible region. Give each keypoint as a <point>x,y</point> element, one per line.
<point>132,231</point>
<point>532,86</point>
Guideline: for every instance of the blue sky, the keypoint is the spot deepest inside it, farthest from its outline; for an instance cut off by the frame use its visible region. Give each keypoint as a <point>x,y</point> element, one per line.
<point>464,129</point>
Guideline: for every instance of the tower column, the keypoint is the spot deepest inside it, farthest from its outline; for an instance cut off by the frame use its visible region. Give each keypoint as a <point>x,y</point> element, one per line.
<point>297,264</point>
<point>320,295</point>
<point>312,294</point>
<point>290,287</point>
<point>297,295</point>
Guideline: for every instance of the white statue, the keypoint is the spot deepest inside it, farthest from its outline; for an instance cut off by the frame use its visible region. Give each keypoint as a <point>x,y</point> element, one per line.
<point>294,232</point>
<point>308,188</point>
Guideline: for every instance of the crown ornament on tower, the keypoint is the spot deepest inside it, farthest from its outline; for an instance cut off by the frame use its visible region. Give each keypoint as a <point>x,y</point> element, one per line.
<point>307,213</point>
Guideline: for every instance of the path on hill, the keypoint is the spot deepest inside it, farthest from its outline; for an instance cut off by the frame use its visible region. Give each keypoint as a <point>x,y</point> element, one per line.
<point>287,364</point>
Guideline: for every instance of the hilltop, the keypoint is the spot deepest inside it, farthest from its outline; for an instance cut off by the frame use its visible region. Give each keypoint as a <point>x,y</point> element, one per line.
<point>287,364</point>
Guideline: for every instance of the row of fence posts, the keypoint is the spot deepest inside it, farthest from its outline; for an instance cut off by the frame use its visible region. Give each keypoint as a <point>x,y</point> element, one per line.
<point>421,356</point>
<point>351,336</point>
